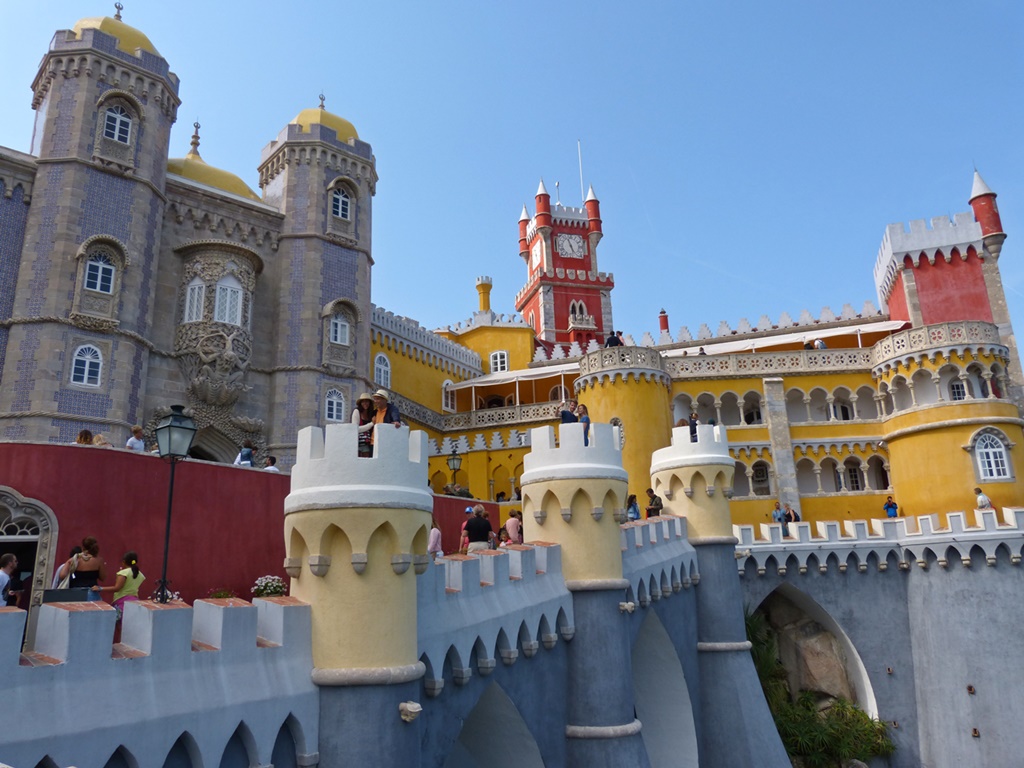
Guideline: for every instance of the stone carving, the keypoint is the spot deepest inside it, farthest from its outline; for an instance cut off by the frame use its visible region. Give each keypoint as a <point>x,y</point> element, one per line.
<point>215,364</point>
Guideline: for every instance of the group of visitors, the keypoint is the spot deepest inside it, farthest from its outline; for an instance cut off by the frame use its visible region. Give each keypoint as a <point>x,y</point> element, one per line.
<point>99,440</point>
<point>784,514</point>
<point>371,410</point>
<point>572,412</point>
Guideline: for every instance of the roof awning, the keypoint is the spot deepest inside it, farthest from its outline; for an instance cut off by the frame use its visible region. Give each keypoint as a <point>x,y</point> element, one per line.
<point>523,374</point>
<point>797,336</point>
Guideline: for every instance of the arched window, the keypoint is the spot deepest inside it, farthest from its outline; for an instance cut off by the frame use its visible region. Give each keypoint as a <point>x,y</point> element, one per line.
<point>341,204</point>
<point>990,457</point>
<point>195,299</point>
<point>339,330</point>
<point>558,394</point>
<point>87,366</point>
<point>957,390</point>
<point>382,370</point>
<point>334,406</point>
<point>117,124</point>
<point>499,361</point>
<point>99,272</point>
<point>227,307</point>
<point>448,396</point>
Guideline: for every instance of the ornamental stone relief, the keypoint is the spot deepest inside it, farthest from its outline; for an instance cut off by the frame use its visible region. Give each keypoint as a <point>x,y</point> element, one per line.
<point>214,358</point>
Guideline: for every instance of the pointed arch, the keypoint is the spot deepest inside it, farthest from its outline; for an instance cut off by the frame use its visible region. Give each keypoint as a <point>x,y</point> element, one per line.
<point>240,751</point>
<point>121,758</point>
<point>662,698</point>
<point>184,753</point>
<point>289,743</point>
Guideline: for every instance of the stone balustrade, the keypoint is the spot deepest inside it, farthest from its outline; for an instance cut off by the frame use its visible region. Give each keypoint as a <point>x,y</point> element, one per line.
<point>493,417</point>
<point>940,336</point>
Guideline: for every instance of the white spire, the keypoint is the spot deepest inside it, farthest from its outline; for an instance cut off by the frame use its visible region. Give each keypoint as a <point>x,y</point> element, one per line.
<point>524,216</point>
<point>591,195</point>
<point>979,187</point>
<point>542,190</point>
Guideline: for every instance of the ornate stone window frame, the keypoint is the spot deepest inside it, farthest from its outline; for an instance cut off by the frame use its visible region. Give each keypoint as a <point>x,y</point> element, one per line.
<point>981,475</point>
<point>334,406</point>
<point>344,226</point>
<point>112,152</point>
<point>87,303</point>
<point>31,519</point>
<point>336,355</point>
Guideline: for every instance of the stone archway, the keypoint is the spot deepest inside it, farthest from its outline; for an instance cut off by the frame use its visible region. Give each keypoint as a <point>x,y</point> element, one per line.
<point>28,528</point>
<point>815,650</point>
<point>211,444</point>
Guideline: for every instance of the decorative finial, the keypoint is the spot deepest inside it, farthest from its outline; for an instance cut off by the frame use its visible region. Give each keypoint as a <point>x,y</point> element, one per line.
<point>322,101</point>
<point>195,137</point>
<point>117,11</point>
<point>558,195</point>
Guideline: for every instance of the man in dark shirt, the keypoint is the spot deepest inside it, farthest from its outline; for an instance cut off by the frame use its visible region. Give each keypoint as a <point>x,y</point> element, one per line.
<point>613,340</point>
<point>654,504</point>
<point>478,530</point>
<point>568,412</point>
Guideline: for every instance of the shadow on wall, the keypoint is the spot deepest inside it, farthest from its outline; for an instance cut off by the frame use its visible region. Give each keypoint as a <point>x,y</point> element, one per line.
<point>662,698</point>
<point>476,746</point>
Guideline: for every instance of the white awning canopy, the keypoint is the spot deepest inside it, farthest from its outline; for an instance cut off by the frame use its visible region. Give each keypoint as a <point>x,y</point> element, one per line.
<point>570,370</point>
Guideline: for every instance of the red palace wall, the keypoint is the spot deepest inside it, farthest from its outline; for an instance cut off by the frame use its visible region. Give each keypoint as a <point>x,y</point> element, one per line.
<point>898,300</point>
<point>952,291</point>
<point>227,526</point>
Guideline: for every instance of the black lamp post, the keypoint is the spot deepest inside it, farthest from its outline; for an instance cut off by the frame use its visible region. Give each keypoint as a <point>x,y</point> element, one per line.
<point>454,462</point>
<point>173,439</point>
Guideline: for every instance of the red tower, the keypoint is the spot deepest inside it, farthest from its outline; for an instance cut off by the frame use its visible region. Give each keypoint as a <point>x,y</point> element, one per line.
<point>565,298</point>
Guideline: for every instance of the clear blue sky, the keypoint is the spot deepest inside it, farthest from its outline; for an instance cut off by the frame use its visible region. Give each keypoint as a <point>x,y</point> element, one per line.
<point>747,155</point>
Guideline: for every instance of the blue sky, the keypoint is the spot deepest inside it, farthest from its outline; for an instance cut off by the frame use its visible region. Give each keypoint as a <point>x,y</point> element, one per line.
<point>747,155</point>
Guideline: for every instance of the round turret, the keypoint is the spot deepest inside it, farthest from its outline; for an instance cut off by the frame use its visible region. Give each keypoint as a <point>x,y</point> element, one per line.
<point>320,116</point>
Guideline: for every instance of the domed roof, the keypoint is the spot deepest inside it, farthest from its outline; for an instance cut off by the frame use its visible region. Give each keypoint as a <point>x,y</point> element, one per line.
<point>129,39</point>
<point>320,116</point>
<point>193,167</point>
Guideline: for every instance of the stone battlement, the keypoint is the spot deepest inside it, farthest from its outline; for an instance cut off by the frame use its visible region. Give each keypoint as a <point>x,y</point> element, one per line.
<point>657,558</point>
<point>877,542</point>
<point>570,458</point>
<point>406,329</point>
<point>711,447</point>
<point>475,610</point>
<point>262,648</point>
<point>328,472</point>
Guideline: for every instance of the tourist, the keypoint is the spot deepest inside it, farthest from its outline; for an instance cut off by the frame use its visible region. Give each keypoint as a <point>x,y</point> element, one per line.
<point>100,441</point>
<point>693,422</point>
<point>632,508</point>
<point>135,442</point>
<point>87,569</point>
<point>517,494</point>
<point>84,438</point>
<point>779,516</point>
<point>983,501</point>
<point>8,564</point>
<point>613,340</point>
<point>434,541</point>
<point>245,457</point>
<point>701,351</point>
<point>270,465</point>
<point>514,528</point>
<point>73,558</point>
<point>500,498</point>
<point>567,413</point>
<point>654,504</point>
<point>463,541</point>
<point>584,418</point>
<point>819,344</point>
<point>503,538</point>
<point>126,585</point>
<point>385,411</point>
<point>790,514</point>
<point>478,531</point>
<point>890,507</point>
<point>362,415</point>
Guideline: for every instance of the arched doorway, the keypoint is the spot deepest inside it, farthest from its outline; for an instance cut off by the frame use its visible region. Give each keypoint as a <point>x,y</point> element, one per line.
<point>28,529</point>
<point>213,445</point>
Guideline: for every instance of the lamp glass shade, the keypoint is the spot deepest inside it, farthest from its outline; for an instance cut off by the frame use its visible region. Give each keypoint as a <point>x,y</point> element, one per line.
<point>454,462</point>
<point>175,433</point>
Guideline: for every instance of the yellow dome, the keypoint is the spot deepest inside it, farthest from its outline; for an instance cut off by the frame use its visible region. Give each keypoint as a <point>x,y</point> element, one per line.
<point>129,39</point>
<point>193,167</point>
<point>320,116</point>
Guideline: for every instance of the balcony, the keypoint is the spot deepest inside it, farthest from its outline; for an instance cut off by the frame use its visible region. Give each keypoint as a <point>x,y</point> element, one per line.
<point>939,337</point>
<point>511,416</point>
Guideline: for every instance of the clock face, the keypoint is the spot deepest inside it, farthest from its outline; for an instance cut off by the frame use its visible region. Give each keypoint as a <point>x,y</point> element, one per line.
<point>570,246</point>
<point>536,253</point>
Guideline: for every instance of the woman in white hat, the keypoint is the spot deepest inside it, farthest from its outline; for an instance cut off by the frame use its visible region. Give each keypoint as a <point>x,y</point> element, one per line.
<point>363,416</point>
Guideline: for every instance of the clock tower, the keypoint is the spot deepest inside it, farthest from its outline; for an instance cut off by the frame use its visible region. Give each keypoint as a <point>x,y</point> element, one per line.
<point>565,298</point>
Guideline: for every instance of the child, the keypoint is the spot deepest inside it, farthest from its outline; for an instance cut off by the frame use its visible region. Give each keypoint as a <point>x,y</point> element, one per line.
<point>126,585</point>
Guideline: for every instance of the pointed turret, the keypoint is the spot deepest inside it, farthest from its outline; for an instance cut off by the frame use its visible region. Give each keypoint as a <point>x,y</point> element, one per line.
<point>543,202</point>
<point>524,224</point>
<point>986,213</point>
<point>593,206</point>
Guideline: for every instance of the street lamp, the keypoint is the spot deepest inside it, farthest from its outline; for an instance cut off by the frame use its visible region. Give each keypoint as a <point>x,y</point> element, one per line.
<point>454,462</point>
<point>173,439</point>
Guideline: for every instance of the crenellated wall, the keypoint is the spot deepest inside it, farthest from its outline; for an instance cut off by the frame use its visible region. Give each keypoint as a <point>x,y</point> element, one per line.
<point>196,676</point>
